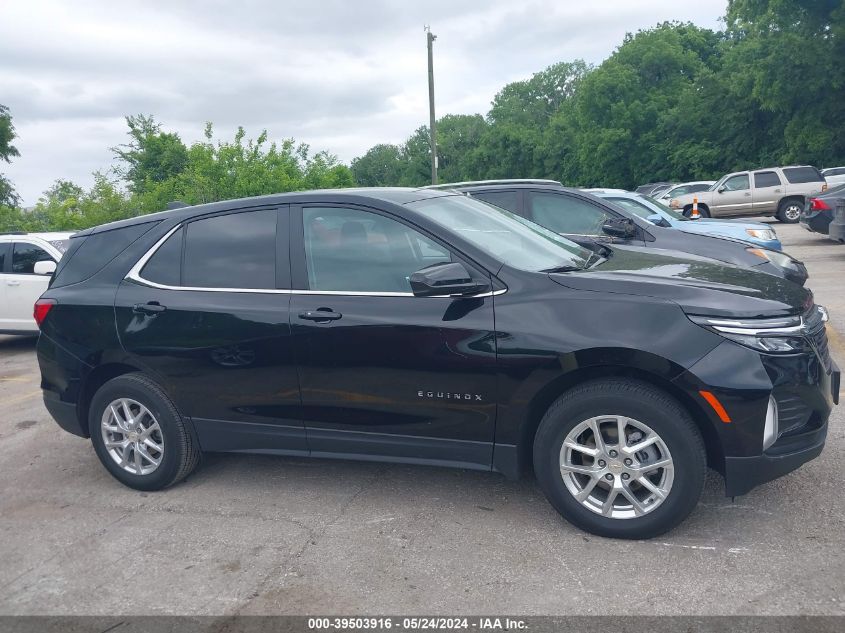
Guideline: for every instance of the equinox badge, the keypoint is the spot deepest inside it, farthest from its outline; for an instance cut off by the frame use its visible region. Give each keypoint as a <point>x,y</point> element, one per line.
<point>448,395</point>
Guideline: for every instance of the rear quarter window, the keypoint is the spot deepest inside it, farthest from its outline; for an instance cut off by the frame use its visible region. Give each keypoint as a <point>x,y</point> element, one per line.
<point>89,254</point>
<point>798,175</point>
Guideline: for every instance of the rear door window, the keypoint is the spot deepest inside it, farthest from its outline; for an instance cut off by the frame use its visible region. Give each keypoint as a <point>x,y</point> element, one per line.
<point>798,175</point>
<point>766,179</point>
<point>508,200</point>
<point>231,251</point>
<point>25,256</point>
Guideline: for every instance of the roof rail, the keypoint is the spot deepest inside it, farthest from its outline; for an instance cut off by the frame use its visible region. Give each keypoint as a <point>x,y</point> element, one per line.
<point>13,232</point>
<point>502,181</point>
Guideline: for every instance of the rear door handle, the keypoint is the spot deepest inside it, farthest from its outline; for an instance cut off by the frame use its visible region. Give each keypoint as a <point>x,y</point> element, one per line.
<point>13,282</point>
<point>320,314</point>
<point>151,308</point>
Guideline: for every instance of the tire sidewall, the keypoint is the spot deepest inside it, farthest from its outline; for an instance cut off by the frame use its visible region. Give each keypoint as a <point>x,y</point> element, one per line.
<point>126,387</point>
<point>782,212</point>
<point>689,464</point>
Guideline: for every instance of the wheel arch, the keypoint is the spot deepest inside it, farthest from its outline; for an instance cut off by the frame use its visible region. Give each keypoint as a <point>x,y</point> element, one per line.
<point>561,384</point>
<point>99,376</point>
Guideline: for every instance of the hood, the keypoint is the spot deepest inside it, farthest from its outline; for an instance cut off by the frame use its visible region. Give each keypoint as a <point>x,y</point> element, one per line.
<point>699,285</point>
<point>741,224</point>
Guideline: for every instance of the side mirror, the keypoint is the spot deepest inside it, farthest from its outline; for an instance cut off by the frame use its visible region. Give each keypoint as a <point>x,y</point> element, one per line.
<point>623,227</point>
<point>658,220</point>
<point>722,189</point>
<point>46,267</point>
<point>450,278</point>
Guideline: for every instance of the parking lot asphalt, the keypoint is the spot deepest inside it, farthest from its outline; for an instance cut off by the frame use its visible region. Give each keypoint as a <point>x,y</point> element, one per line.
<point>258,534</point>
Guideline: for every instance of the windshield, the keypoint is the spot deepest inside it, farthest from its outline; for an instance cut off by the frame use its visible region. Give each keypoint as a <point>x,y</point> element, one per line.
<point>509,238</point>
<point>647,206</point>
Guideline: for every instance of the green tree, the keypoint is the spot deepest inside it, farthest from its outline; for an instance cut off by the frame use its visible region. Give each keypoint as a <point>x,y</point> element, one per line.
<point>787,57</point>
<point>8,151</point>
<point>152,156</point>
<point>380,166</point>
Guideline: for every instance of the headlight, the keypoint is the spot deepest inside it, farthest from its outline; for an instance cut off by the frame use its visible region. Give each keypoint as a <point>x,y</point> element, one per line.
<point>778,259</point>
<point>762,234</point>
<point>772,336</point>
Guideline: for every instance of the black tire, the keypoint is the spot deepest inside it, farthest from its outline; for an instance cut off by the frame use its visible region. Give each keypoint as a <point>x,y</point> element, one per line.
<point>181,453</point>
<point>789,211</point>
<point>640,401</point>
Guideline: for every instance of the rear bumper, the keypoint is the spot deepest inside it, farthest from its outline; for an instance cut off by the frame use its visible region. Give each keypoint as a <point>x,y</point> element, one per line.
<point>817,223</point>
<point>64,413</point>
<point>744,473</point>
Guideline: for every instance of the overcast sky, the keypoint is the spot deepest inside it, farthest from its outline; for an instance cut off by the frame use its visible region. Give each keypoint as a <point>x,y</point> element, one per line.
<point>340,75</point>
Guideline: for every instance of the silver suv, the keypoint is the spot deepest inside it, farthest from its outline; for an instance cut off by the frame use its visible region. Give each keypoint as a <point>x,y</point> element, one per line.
<point>778,191</point>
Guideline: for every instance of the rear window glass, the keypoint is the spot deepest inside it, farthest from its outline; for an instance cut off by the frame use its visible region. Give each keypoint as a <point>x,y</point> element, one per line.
<point>60,245</point>
<point>94,252</point>
<point>797,175</point>
<point>766,179</point>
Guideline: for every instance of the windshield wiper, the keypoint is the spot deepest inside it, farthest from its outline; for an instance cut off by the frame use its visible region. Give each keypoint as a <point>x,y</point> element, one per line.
<point>562,269</point>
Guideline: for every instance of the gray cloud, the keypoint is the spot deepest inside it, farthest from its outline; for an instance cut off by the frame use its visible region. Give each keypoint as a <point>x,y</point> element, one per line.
<point>338,75</point>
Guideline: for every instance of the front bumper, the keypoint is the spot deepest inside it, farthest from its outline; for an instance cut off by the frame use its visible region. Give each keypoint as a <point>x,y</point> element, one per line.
<point>805,387</point>
<point>744,473</point>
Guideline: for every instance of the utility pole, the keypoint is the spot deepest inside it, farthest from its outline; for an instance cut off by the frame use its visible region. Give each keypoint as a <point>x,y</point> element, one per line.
<point>430,37</point>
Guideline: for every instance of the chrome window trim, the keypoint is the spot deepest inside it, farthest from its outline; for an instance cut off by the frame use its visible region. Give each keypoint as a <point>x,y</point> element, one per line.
<point>135,275</point>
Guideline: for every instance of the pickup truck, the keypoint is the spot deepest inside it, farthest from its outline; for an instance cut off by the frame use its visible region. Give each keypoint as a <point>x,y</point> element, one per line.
<point>777,191</point>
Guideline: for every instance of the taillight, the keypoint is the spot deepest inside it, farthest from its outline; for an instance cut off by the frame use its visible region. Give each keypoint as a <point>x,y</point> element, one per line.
<point>817,204</point>
<point>42,308</point>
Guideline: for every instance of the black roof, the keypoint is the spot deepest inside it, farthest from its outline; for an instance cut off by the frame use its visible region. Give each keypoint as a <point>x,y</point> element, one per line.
<point>393,195</point>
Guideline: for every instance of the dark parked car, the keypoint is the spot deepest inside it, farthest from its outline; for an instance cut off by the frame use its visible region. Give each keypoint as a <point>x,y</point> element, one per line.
<point>584,218</point>
<point>818,212</point>
<point>426,327</point>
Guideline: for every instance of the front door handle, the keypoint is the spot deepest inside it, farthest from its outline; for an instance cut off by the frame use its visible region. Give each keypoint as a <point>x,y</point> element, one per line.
<point>320,315</point>
<point>152,308</point>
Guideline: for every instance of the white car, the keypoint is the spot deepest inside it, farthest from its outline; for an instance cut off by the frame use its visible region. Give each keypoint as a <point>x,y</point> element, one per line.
<point>834,176</point>
<point>26,262</point>
<point>683,188</point>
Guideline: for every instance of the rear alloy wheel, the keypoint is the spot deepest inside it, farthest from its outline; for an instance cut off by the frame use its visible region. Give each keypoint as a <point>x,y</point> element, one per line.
<point>620,458</point>
<point>789,211</point>
<point>139,435</point>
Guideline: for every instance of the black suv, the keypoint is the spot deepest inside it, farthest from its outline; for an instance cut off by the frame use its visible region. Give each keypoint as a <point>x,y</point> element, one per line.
<point>584,218</point>
<point>427,327</point>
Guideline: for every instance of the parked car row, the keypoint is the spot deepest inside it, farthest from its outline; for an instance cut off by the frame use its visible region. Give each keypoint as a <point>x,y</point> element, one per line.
<point>599,340</point>
<point>26,262</point>
<point>818,212</point>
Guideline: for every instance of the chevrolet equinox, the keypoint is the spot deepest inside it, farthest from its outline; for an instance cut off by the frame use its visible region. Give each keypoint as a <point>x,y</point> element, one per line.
<point>426,327</point>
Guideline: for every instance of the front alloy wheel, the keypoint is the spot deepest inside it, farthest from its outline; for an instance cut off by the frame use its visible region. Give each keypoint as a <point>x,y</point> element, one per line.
<point>620,458</point>
<point>616,466</point>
